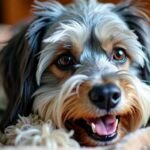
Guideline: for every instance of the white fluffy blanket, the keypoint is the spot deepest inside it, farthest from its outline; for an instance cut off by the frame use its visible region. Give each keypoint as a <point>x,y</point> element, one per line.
<point>32,133</point>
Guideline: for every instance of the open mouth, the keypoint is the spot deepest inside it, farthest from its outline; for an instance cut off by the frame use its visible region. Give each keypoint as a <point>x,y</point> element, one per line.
<point>101,129</point>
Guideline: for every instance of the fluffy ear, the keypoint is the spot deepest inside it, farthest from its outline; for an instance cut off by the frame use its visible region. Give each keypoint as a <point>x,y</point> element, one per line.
<point>47,13</point>
<point>18,61</point>
<point>136,15</point>
<point>17,69</point>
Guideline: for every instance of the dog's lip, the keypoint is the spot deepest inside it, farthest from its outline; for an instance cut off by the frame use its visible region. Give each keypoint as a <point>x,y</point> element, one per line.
<point>101,129</point>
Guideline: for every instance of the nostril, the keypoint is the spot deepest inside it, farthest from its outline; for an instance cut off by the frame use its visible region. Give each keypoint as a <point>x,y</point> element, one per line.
<point>116,96</point>
<point>94,94</point>
<point>115,99</point>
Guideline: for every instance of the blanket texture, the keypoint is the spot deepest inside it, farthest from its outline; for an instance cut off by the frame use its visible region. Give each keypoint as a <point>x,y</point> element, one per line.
<point>42,135</point>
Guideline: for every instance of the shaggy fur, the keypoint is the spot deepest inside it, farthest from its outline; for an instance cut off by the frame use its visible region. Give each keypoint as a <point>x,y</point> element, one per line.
<point>84,66</point>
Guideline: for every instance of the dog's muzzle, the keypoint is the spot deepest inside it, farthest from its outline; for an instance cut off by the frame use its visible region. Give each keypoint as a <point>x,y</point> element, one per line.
<point>102,128</point>
<point>106,97</point>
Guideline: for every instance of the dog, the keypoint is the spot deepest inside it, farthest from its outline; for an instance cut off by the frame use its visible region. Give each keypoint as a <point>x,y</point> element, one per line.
<point>85,66</point>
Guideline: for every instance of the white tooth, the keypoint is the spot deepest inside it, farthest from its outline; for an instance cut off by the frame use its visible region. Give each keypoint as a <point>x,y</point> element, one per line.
<point>93,127</point>
<point>117,120</point>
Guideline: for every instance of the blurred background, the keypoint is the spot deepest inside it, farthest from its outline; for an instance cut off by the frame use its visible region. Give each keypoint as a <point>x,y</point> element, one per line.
<point>12,11</point>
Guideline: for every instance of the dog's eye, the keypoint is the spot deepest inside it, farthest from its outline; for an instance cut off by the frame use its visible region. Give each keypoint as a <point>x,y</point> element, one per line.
<point>119,55</point>
<point>65,62</point>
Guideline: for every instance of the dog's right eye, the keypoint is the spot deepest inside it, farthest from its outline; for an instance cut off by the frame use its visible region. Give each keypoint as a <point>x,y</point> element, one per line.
<point>119,55</point>
<point>65,62</point>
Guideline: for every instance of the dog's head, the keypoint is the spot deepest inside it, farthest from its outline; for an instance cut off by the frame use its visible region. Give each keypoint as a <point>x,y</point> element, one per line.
<point>84,66</point>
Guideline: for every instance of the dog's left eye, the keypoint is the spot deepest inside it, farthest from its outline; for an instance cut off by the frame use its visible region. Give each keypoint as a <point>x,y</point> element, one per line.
<point>65,62</point>
<point>119,55</point>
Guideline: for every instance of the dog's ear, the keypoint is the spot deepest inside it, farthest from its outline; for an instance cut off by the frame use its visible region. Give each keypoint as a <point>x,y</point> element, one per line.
<point>136,15</point>
<point>47,13</point>
<point>18,61</point>
<point>17,70</point>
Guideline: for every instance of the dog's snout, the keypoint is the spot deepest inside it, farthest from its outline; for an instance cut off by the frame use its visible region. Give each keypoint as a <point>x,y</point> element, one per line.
<point>105,96</point>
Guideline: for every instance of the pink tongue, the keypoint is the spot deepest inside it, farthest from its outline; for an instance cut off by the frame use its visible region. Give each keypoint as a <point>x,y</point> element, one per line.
<point>106,125</point>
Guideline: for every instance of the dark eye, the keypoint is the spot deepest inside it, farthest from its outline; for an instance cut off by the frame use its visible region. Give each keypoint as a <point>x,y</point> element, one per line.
<point>119,55</point>
<point>65,62</point>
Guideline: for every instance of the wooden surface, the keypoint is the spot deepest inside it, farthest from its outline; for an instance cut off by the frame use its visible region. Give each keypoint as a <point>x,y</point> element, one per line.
<point>16,10</point>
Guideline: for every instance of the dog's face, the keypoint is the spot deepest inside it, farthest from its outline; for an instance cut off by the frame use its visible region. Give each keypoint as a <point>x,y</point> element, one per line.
<point>87,65</point>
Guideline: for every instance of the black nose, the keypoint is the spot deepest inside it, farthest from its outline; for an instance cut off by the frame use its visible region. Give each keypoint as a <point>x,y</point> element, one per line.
<point>105,96</point>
